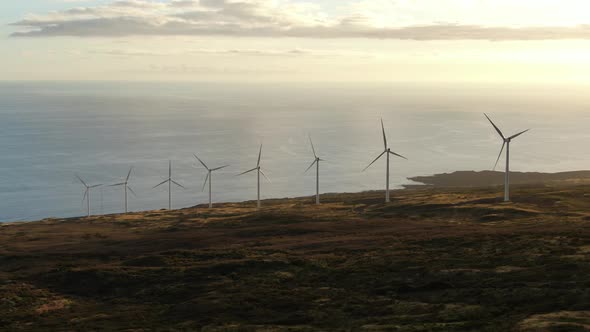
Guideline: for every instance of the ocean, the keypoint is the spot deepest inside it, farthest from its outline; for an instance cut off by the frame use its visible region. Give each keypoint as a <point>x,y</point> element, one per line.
<point>52,131</point>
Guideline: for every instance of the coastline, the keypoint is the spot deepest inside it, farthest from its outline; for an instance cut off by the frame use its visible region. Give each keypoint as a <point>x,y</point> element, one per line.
<point>457,179</point>
<point>474,179</point>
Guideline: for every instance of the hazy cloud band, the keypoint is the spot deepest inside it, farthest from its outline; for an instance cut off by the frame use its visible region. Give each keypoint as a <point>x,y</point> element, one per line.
<point>257,18</point>
<point>122,27</point>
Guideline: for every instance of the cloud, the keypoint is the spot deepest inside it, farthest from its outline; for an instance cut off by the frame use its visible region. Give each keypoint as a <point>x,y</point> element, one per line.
<point>236,51</point>
<point>260,18</point>
<point>291,52</point>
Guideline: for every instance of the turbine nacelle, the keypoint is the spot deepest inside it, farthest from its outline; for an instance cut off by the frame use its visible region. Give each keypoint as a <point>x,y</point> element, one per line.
<point>259,171</point>
<point>86,196</point>
<point>505,140</point>
<point>505,144</point>
<point>316,162</point>
<point>208,178</point>
<point>386,152</point>
<point>125,186</point>
<point>316,159</point>
<point>169,181</point>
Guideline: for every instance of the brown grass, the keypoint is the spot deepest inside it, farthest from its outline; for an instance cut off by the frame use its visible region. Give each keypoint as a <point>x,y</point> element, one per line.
<point>432,260</point>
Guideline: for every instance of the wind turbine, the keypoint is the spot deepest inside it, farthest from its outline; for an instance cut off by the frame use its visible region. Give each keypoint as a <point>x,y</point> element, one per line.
<point>387,152</point>
<point>258,171</point>
<point>209,177</point>
<point>126,187</point>
<point>170,182</point>
<point>316,162</point>
<point>506,143</point>
<point>87,193</point>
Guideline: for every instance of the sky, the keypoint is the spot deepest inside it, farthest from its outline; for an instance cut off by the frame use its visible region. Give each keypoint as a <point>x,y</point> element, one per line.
<point>297,40</point>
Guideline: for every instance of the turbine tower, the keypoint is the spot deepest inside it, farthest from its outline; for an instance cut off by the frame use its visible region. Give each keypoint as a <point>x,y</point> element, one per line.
<point>209,177</point>
<point>170,182</point>
<point>506,143</point>
<point>87,193</point>
<point>387,152</point>
<point>316,162</point>
<point>258,171</point>
<point>126,187</point>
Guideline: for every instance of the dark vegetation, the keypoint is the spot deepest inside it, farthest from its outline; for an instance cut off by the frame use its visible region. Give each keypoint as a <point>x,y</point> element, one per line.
<point>433,260</point>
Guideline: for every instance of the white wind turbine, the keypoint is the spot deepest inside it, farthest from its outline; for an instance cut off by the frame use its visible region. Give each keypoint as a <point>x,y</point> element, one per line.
<point>506,143</point>
<point>87,193</point>
<point>316,162</point>
<point>209,178</point>
<point>258,171</point>
<point>170,182</point>
<point>388,152</point>
<point>126,187</point>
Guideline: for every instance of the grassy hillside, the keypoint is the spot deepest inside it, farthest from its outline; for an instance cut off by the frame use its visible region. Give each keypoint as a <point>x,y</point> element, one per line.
<point>433,260</point>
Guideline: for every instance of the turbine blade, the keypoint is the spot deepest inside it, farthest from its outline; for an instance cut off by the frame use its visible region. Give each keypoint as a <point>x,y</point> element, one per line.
<point>312,147</point>
<point>160,184</point>
<point>80,179</point>
<point>515,136</point>
<point>496,127</point>
<point>129,175</point>
<point>384,137</point>
<point>202,163</point>
<point>218,168</point>
<point>133,192</point>
<point>169,169</point>
<point>246,172</point>
<point>95,186</point>
<point>267,179</point>
<point>259,155</point>
<point>205,183</point>
<point>310,166</point>
<point>499,155</point>
<point>382,153</point>
<point>118,184</point>
<point>85,195</point>
<point>399,155</point>
<point>178,184</point>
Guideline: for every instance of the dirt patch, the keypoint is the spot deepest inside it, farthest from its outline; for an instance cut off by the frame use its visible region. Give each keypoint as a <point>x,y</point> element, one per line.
<point>557,321</point>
